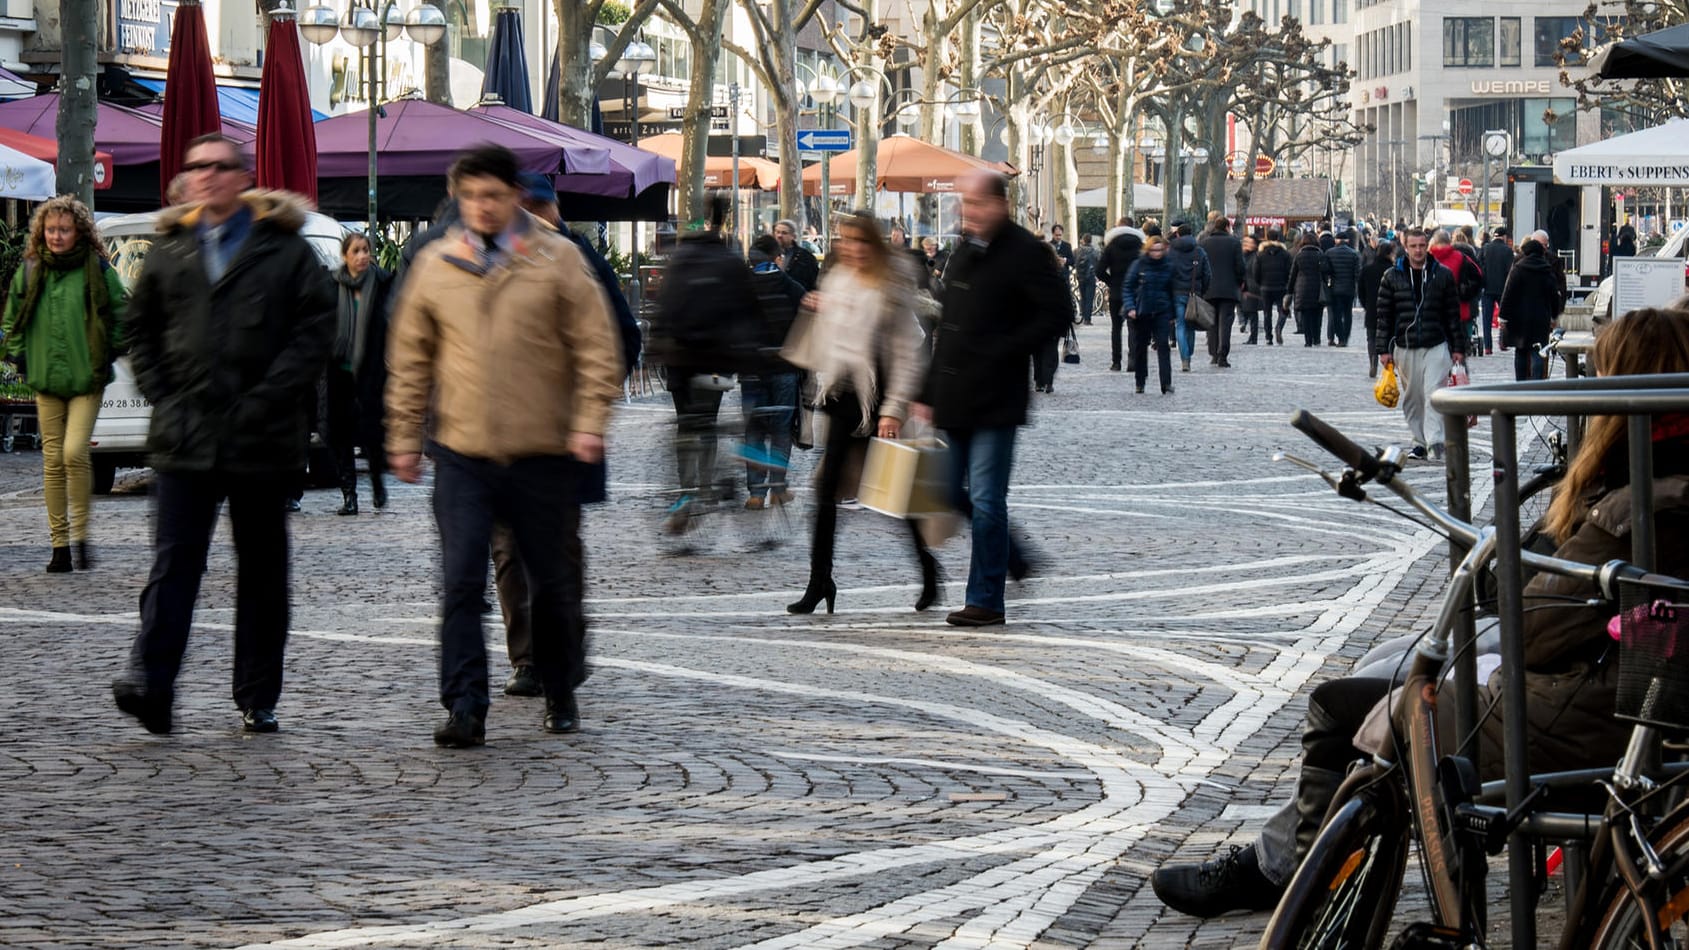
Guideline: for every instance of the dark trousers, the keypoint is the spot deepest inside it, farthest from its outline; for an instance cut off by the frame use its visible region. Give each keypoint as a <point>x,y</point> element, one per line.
<point>184,520</point>
<point>1249,312</point>
<point>1342,314</point>
<point>1220,336</point>
<point>1310,318</point>
<point>347,430</point>
<point>1273,300</point>
<point>844,416</point>
<point>1087,298</point>
<point>510,578</point>
<point>1152,329</point>
<point>1528,363</point>
<point>1044,363</point>
<point>1487,306</point>
<point>532,496</point>
<point>695,436</point>
<point>1118,319</point>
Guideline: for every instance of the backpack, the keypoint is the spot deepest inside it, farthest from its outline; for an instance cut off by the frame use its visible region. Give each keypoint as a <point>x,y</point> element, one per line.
<point>707,317</point>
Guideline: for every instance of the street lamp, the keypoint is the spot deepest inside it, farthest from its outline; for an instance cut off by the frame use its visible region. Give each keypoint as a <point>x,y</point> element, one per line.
<point>635,56</point>
<point>825,91</point>
<point>365,28</point>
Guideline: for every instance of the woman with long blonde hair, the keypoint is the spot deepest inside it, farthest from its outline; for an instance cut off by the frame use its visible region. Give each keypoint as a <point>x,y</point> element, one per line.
<point>62,328</point>
<point>864,346</point>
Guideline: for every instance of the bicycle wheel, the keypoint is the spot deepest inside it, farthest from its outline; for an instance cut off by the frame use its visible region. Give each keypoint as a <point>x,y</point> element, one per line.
<point>1345,892</point>
<point>1621,923</point>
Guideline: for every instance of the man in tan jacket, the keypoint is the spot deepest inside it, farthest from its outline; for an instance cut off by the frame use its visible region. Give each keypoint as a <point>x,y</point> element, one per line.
<point>503,339</point>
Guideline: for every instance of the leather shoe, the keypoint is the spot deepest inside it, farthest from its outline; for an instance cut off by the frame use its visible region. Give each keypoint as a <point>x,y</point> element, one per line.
<point>461,730</point>
<point>151,709</point>
<point>974,617</point>
<point>258,720</point>
<point>523,682</point>
<point>561,715</point>
<point>1230,882</point>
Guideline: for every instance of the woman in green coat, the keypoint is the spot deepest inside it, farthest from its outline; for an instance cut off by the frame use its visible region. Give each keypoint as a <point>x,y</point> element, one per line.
<point>62,330</point>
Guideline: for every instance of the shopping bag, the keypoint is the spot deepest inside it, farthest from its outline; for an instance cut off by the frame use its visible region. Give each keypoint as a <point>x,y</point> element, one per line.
<point>1070,347</point>
<point>1200,314</point>
<point>906,478</point>
<point>1388,392</point>
<point>1460,377</point>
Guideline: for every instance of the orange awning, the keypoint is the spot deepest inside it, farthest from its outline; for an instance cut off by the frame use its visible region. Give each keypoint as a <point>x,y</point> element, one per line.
<point>718,169</point>
<point>903,164</point>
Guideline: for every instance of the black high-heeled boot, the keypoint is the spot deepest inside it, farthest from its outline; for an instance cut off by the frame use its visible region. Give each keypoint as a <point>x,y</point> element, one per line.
<point>931,576</point>
<point>378,490</point>
<point>814,594</point>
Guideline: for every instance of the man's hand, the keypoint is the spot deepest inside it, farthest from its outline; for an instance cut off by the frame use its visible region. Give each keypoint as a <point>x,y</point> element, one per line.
<point>889,427</point>
<point>1132,314</point>
<point>406,466</point>
<point>921,411</point>
<point>586,447</point>
<point>1459,358</point>
<point>1385,359</point>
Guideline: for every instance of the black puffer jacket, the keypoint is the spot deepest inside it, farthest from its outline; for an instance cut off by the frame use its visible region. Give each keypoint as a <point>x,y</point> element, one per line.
<point>1309,271</point>
<point>1531,300</point>
<point>1345,265</point>
<point>1271,269</point>
<point>1419,321</point>
<point>1001,303</point>
<point>1496,258</point>
<point>228,366</point>
<point>1116,260</point>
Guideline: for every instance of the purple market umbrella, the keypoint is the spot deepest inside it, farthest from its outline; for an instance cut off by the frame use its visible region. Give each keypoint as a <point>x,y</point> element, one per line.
<point>131,137</point>
<point>646,169</point>
<point>417,137</point>
<point>507,63</point>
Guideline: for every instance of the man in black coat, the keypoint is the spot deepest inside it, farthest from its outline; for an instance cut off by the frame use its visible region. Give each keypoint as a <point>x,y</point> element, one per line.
<point>799,264</point>
<point>1530,307</point>
<point>1271,272</point>
<point>230,325</point>
<point>1118,254</point>
<point>1496,260</point>
<point>1419,330</point>
<point>1225,287</point>
<point>1345,263</point>
<point>1004,296</point>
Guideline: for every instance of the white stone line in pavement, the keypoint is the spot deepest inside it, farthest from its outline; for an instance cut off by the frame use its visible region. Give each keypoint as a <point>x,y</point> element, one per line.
<point>928,763</point>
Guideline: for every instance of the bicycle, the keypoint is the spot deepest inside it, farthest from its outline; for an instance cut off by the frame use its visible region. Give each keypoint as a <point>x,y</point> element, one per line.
<point>1633,890</point>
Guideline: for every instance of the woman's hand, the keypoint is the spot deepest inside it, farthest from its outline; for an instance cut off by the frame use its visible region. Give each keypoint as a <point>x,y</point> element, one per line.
<point>889,427</point>
<point>811,301</point>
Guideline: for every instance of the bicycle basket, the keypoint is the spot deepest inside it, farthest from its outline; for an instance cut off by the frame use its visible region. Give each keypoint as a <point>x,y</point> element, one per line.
<point>1654,654</point>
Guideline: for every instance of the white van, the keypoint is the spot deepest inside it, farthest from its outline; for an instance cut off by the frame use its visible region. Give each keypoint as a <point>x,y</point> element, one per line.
<point>119,439</point>
<point>1451,219</point>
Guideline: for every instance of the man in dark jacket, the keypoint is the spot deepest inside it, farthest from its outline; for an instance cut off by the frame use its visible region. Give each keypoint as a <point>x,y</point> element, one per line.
<point>1191,275</point>
<point>1419,330</point>
<point>1271,272</point>
<point>1530,305</point>
<point>1496,259</point>
<point>230,325</point>
<point>1345,264</point>
<point>1118,254</point>
<point>768,396</point>
<point>1225,287</point>
<point>800,265</point>
<point>1003,297</point>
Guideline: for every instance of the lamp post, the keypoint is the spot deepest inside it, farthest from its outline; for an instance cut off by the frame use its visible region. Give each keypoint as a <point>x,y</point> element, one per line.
<point>635,56</point>
<point>369,30</point>
<point>824,89</point>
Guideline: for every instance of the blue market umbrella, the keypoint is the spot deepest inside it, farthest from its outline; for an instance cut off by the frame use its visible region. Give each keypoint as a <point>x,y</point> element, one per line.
<point>507,64</point>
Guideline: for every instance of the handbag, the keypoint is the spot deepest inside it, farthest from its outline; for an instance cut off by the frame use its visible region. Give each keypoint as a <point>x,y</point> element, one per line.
<point>1070,347</point>
<point>1199,313</point>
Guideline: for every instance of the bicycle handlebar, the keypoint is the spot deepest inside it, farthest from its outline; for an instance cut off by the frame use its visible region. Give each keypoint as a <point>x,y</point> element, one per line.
<point>1347,451</point>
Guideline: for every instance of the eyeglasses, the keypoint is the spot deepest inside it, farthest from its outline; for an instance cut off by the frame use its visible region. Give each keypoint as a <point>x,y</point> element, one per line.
<point>213,166</point>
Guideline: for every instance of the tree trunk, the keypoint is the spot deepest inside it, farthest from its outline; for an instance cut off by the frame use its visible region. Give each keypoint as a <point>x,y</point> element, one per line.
<point>868,120</point>
<point>782,66</point>
<point>930,64</point>
<point>971,134</point>
<point>574,56</point>
<point>1061,162</point>
<point>694,148</point>
<point>1172,191</point>
<point>1117,199</point>
<point>78,98</point>
<point>437,74</point>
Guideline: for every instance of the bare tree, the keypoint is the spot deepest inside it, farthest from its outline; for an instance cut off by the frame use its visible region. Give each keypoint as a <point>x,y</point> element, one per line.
<point>580,76</point>
<point>1639,103</point>
<point>775,64</point>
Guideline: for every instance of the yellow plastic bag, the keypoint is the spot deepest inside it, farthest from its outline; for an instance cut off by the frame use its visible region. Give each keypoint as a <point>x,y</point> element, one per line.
<point>1387,392</point>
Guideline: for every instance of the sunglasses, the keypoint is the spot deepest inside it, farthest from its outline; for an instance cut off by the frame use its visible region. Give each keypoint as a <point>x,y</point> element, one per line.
<point>213,166</point>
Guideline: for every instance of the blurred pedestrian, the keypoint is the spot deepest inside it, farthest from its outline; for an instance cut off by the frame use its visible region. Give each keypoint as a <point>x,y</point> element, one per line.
<point>864,346</point>
<point>1249,307</point>
<point>1468,276</point>
<point>936,258</point>
<point>1085,269</point>
<point>1002,300</point>
<point>1419,330</point>
<point>1225,286</point>
<point>230,325</point>
<point>1147,297</point>
<point>1310,271</point>
<point>1192,275</point>
<point>1271,272</point>
<point>357,371</point>
<point>768,394</point>
<point>1047,358</point>
<point>1383,258</point>
<point>1530,306</point>
<point>1064,250</point>
<point>63,328</point>
<point>796,259</point>
<point>1121,246</point>
<point>544,359</point>
<point>1496,258</point>
<point>1344,265</point>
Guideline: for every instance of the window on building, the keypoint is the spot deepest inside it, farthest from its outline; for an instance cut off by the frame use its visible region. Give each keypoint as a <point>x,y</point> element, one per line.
<point>1468,41</point>
<point>1340,55</point>
<point>1540,136</point>
<point>1294,8</point>
<point>1314,12</point>
<point>1549,31</point>
<point>1509,34</point>
<point>1339,11</point>
<point>1407,46</point>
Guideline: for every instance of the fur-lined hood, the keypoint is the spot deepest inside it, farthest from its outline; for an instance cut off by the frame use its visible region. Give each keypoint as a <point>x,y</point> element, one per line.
<point>282,209</point>
<point>1265,243</point>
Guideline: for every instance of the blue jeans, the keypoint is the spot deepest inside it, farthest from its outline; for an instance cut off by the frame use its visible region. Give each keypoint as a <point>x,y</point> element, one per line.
<point>980,460</point>
<point>1486,315</point>
<point>1183,333</point>
<point>768,403</point>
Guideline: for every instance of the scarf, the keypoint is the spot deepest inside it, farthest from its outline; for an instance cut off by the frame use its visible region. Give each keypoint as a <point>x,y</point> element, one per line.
<point>355,294</point>
<point>97,314</point>
<point>847,336</point>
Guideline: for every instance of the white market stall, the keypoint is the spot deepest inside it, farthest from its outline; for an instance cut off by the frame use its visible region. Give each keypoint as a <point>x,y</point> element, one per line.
<point>23,178</point>
<point>1652,158</point>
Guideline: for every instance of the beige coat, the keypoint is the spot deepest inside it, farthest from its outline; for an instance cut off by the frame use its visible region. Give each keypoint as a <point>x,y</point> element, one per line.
<point>507,364</point>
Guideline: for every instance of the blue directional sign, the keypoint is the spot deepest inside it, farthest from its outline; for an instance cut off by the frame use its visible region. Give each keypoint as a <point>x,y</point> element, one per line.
<point>824,140</point>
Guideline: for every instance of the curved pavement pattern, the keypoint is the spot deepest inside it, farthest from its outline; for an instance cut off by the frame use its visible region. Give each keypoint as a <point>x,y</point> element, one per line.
<point>746,778</point>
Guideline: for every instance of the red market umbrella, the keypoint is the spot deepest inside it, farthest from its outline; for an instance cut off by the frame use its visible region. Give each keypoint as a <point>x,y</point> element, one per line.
<point>190,92</point>
<point>287,139</point>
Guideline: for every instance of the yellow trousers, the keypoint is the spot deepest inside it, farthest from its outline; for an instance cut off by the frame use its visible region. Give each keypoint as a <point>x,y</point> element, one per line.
<point>67,473</point>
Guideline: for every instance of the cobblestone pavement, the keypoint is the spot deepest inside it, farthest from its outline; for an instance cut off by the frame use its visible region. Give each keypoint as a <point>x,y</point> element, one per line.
<point>872,778</point>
